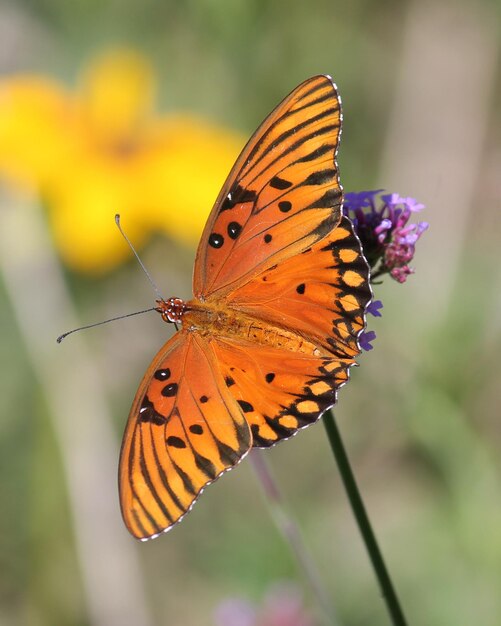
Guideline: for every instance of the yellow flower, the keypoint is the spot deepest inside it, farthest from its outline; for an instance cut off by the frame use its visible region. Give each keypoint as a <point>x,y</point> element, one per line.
<point>33,111</point>
<point>187,177</point>
<point>102,151</point>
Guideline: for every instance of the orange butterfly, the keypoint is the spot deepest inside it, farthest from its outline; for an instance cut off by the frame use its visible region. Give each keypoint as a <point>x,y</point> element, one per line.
<point>280,291</point>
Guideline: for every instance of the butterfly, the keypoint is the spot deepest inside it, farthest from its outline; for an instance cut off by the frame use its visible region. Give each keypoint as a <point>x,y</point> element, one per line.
<point>280,291</point>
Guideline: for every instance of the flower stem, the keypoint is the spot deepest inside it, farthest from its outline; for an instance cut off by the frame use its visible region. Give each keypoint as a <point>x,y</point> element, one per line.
<point>291,533</point>
<point>364,525</point>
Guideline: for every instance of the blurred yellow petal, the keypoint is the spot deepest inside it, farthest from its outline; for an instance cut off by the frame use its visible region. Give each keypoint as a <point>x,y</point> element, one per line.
<point>34,114</point>
<point>83,211</point>
<point>102,151</point>
<point>185,173</point>
<point>117,93</point>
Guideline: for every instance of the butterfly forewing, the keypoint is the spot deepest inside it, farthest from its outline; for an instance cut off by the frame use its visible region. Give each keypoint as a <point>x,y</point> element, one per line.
<point>184,430</point>
<point>282,195</point>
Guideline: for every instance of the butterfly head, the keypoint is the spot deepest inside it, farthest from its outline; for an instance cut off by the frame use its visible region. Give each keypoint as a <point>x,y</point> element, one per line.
<point>171,310</point>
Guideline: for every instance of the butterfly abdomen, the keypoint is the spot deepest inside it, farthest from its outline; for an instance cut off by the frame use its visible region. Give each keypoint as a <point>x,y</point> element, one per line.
<point>212,321</point>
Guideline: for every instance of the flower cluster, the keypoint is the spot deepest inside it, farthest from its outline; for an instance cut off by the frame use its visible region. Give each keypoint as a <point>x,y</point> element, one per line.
<point>382,224</point>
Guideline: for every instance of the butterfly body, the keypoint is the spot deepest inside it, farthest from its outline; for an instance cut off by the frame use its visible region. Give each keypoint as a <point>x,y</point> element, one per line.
<point>280,291</point>
<point>217,320</point>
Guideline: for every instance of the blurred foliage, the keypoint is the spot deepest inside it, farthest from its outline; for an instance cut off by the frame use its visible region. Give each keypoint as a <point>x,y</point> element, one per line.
<point>421,417</point>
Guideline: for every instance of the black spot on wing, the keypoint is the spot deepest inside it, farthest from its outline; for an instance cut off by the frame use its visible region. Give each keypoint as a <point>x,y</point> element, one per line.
<point>216,240</point>
<point>280,183</point>
<point>147,413</point>
<point>170,390</point>
<point>245,406</point>
<point>162,374</point>
<point>234,229</point>
<point>238,195</point>
<point>176,442</point>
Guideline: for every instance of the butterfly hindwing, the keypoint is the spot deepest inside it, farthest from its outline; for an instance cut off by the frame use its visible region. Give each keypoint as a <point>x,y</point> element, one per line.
<point>279,391</point>
<point>184,430</point>
<point>282,195</point>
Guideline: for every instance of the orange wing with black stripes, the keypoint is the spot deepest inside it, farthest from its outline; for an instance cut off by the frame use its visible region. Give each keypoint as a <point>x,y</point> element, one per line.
<point>184,430</point>
<point>282,195</point>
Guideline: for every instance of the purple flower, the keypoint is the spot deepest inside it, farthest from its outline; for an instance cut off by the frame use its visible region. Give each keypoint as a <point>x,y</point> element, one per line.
<point>381,222</point>
<point>374,307</point>
<point>365,339</point>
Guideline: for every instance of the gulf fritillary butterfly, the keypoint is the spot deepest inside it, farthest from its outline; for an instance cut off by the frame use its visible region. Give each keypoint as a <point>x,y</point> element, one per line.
<point>280,291</point>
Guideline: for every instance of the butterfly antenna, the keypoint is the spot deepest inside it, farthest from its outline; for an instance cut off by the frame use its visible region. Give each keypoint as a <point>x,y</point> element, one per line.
<point>117,221</point>
<point>112,319</point>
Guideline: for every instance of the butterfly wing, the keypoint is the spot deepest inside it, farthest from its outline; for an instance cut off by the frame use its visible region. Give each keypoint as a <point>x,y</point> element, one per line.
<point>320,294</point>
<point>282,195</point>
<point>317,300</point>
<point>184,430</point>
<point>279,391</point>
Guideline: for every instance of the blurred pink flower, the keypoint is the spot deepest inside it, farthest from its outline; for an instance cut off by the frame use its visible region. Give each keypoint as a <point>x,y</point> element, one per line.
<point>282,606</point>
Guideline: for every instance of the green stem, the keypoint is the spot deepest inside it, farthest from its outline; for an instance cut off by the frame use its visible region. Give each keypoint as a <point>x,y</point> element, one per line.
<point>291,533</point>
<point>364,525</point>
